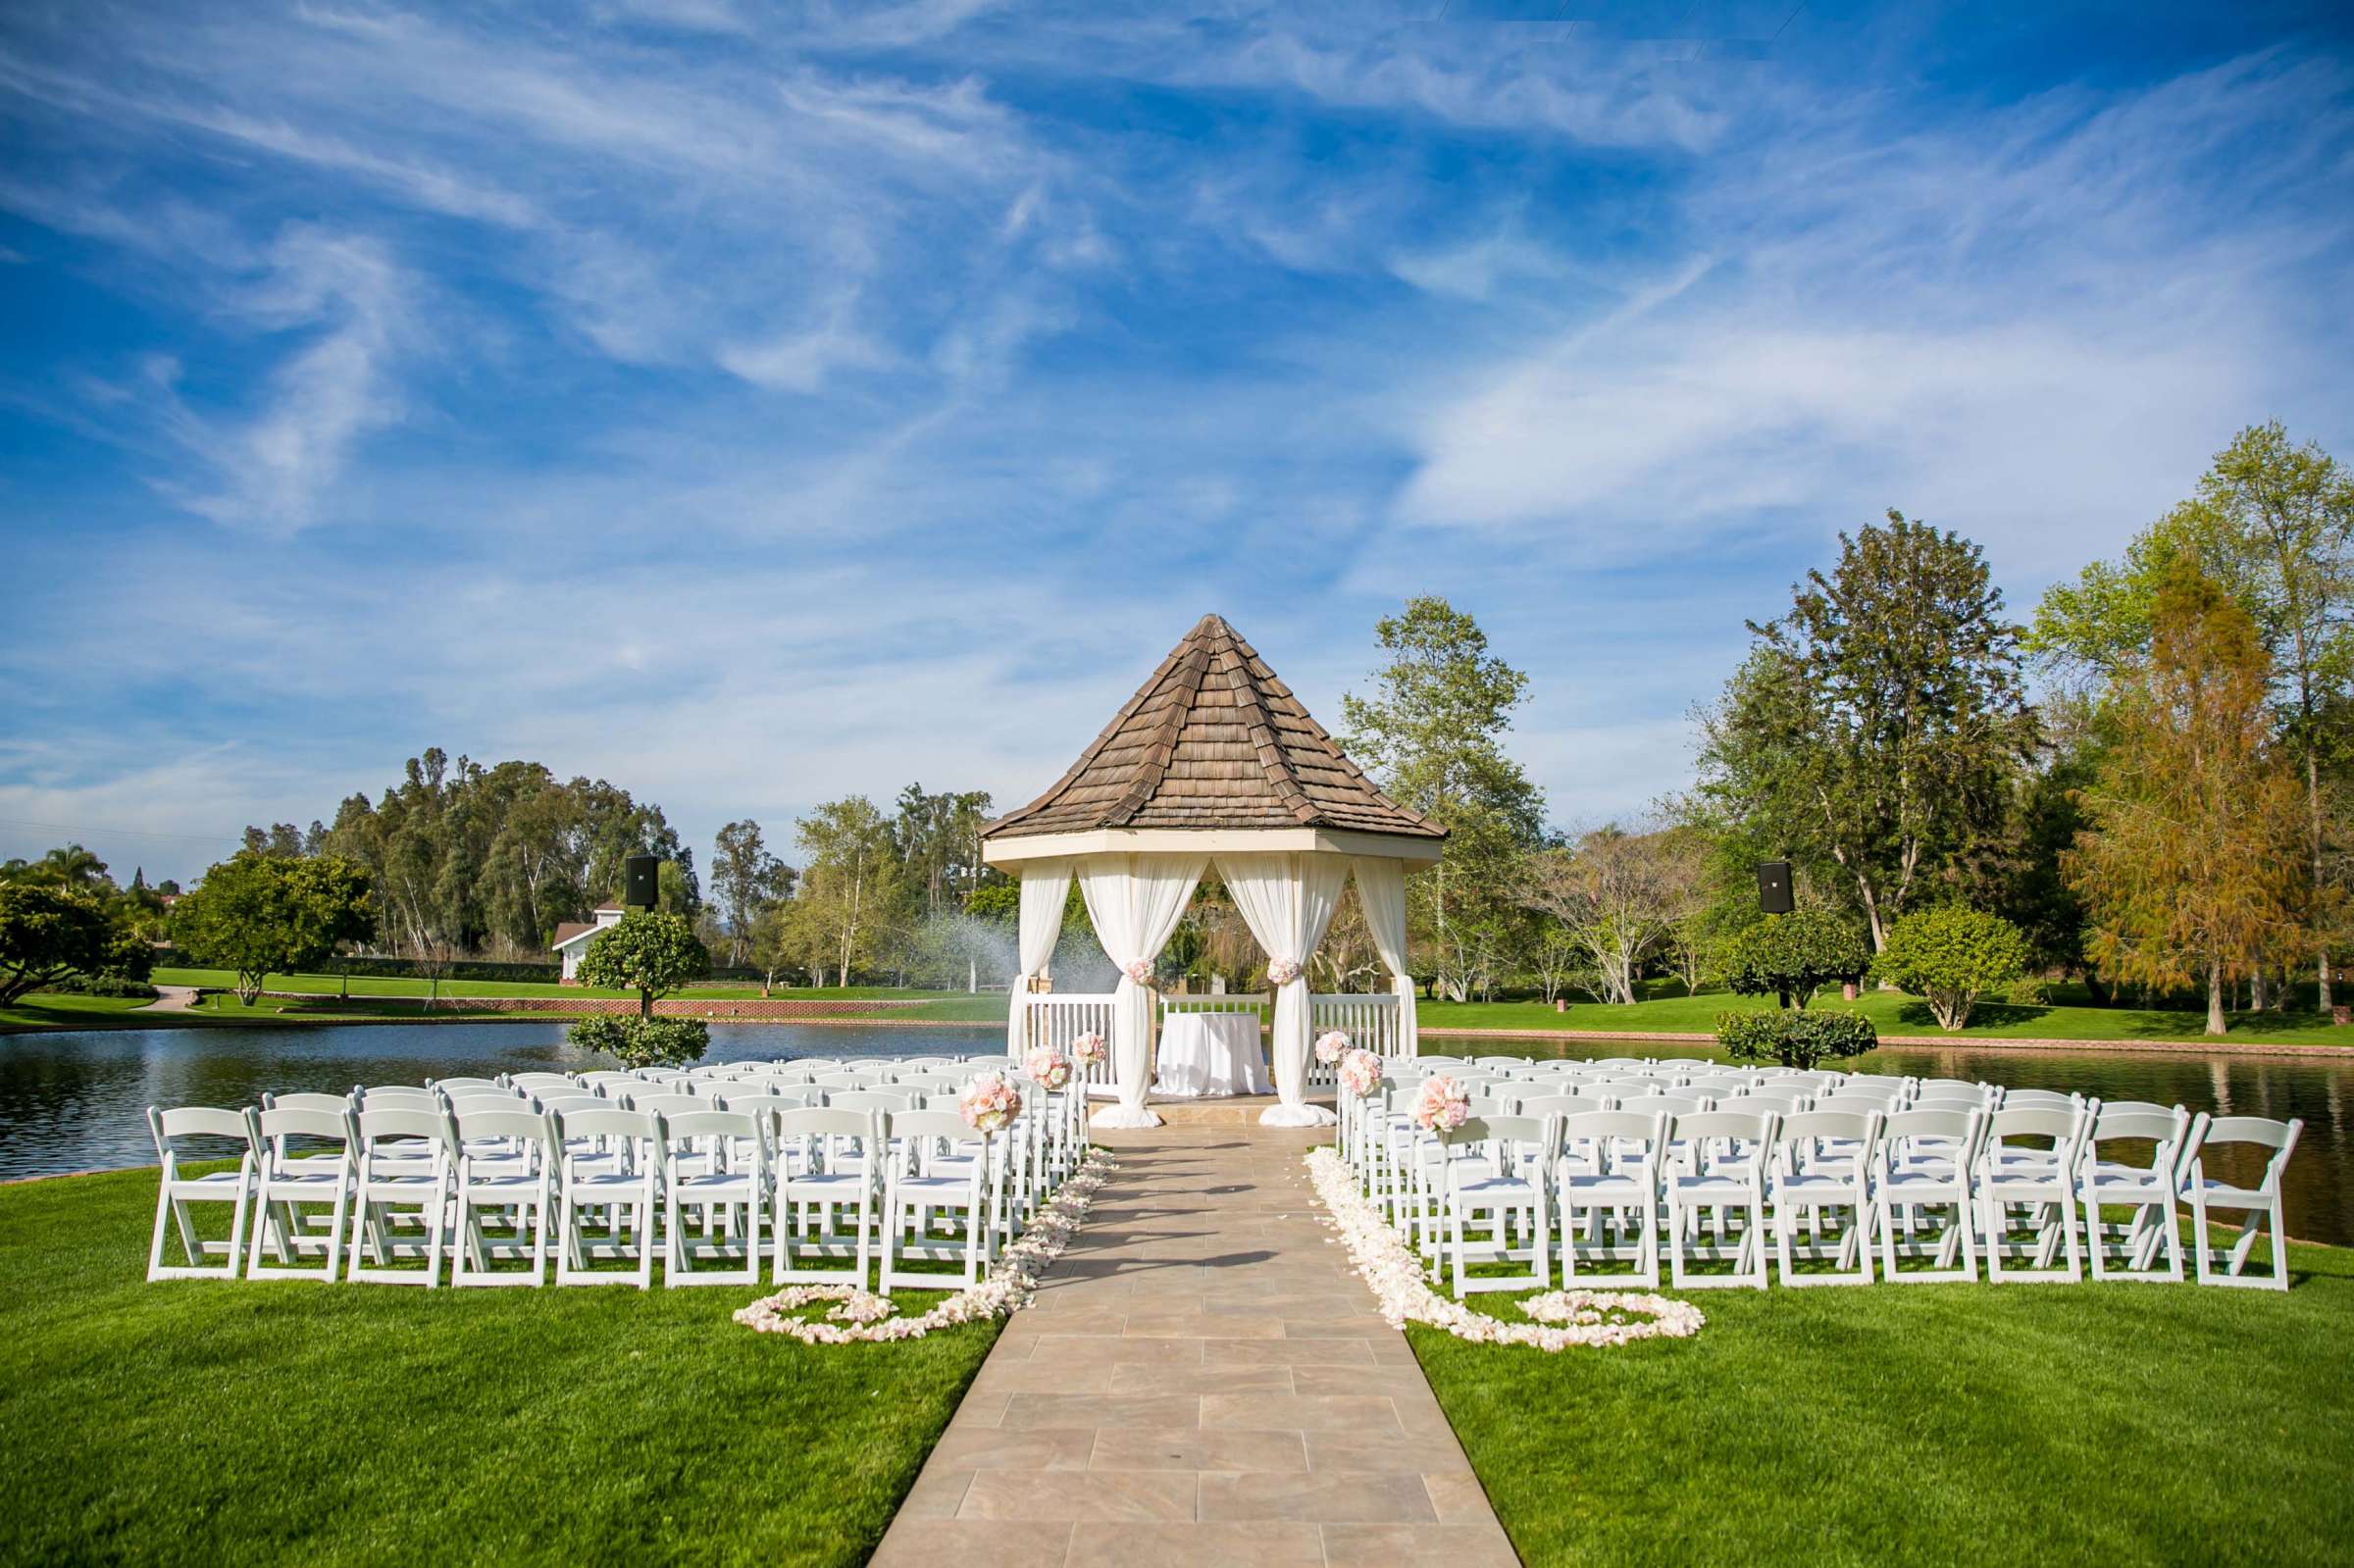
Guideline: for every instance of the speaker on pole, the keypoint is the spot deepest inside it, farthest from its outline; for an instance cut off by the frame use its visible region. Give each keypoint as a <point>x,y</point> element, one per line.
<point>643,882</point>
<point>1774,886</point>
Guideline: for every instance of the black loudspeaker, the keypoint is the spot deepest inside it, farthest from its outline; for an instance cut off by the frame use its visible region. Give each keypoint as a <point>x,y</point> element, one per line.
<point>643,882</point>
<point>1774,886</point>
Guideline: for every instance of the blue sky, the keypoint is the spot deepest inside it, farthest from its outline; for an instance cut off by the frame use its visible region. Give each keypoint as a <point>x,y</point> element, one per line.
<point>752,406</point>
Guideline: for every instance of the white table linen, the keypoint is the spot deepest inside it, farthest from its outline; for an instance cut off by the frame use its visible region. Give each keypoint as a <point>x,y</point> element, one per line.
<point>1204,1054</point>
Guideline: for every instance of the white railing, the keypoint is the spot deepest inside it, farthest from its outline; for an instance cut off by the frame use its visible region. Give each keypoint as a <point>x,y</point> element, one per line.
<point>1057,1019</point>
<point>1368,1018</point>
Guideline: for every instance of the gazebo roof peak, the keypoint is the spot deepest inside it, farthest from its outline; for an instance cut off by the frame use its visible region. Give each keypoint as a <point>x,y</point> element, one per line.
<point>1214,742</point>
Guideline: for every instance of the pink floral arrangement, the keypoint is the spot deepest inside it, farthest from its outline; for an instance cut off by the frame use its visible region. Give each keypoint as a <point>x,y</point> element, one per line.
<point>1138,970</point>
<point>1087,1049</point>
<point>1331,1046</point>
<point>1047,1066</point>
<point>1441,1105</point>
<point>988,1104</point>
<point>1282,972</point>
<point>1359,1072</point>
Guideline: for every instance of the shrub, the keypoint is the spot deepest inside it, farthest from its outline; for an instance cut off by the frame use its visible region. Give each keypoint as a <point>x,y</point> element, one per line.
<point>1795,1038</point>
<point>102,986</point>
<point>1790,956</point>
<point>643,1041</point>
<point>1951,956</point>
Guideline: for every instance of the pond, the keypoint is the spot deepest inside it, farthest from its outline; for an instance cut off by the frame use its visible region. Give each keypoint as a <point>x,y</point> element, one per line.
<point>76,1101</point>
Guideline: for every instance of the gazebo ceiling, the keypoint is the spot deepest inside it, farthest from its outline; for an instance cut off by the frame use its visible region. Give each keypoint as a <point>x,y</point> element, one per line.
<point>1214,743</point>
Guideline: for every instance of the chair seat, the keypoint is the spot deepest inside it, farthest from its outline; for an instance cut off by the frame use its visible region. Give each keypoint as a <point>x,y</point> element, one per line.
<point>2221,1194</point>
<point>1604,1189</point>
<point>1714,1190</point>
<point>585,1182</point>
<point>526,1184</point>
<point>1920,1177</point>
<point>1812,1186</point>
<point>1497,1187</point>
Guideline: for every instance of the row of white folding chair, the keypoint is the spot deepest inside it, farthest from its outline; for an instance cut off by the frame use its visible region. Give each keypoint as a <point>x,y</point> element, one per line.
<point>388,1190</point>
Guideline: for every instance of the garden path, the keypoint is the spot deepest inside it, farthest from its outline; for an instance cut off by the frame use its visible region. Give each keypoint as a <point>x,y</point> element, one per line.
<point>1202,1380</point>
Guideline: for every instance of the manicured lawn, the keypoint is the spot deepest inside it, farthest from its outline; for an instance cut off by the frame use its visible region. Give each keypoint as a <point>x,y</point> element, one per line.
<point>1894,1015</point>
<point>1932,1424</point>
<point>41,1011</point>
<point>401,986</point>
<point>232,1422</point>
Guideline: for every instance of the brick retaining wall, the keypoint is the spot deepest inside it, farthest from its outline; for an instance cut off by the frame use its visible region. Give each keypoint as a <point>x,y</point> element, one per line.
<point>768,1009</point>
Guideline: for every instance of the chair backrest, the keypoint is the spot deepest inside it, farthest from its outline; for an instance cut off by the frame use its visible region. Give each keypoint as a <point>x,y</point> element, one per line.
<point>484,1121</point>
<point>2262,1130</point>
<point>708,1122</point>
<point>405,1122</point>
<point>1961,1128</point>
<point>1650,1126</point>
<point>334,1104</point>
<point>607,1120</point>
<point>2139,1120</point>
<point>1881,1091</point>
<point>461,1086</point>
<point>884,1101</point>
<point>196,1121</point>
<point>462,1104</point>
<point>2039,1099</point>
<point>1664,1104</point>
<point>666,1103</point>
<point>2058,1123</point>
<point>829,1121</point>
<point>558,1104</point>
<point>302,1121</point>
<point>1949,1087</point>
<point>929,1122</point>
<point>1749,1126</point>
<point>1534,1134</point>
<point>541,1081</point>
<point>1948,1103</point>
<point>1770,1099</point>
<point>399,1096</point>
<point>1555,1103</point>
<point>1802,1127</point>
<point>1857,1104</point>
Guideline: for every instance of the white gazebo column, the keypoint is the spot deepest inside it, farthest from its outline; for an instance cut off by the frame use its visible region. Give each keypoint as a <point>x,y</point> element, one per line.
<point>1288,902</point>
<point>1135,903</point>
<point>1381,894</point>
<point>1045,887</point>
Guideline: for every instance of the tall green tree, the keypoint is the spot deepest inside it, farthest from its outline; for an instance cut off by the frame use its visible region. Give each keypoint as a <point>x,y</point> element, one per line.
<point>260,913</point>
<point>1431,732</point>
<point>746,881</point>
<point>2188,863</point>
<point>47,931</point>
<point>2272,525</point>
<point>938,837</point>
<point>1874,728</point>
<point>851,889</point>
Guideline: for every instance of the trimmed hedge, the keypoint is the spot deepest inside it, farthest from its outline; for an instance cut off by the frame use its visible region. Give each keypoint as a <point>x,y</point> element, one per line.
<point>1796,1039</point>
<point>102,986</point>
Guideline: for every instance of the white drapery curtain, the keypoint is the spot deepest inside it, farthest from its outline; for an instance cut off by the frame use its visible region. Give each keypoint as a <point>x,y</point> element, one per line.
<point>1135,903</point>
<point>1381,894</point>
<point>1045,887</point>
<point>1288,900</point>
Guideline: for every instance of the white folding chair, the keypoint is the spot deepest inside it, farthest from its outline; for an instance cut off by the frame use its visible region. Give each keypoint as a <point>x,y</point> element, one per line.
<point>1498,1166</point>
<point>2037,1181</point>
<point>609,1167</point>
<point>1924,1163</point>
<point>179,1190</point>
<point>2254,1204</point>
<point>1607,1174</point>
<point>2129,1252</point>
<point>1821,1165</point>
<point>836,1187</point>
<point>715,1161</point>
<point>285,1179</point>
<point>1715,1192</point>
<point>934,1172</point>
<point>507,1161</point>
<point>404,1163</point>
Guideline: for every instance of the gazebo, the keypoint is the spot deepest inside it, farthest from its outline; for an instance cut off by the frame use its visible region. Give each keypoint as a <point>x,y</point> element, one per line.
<point>1212,761</point>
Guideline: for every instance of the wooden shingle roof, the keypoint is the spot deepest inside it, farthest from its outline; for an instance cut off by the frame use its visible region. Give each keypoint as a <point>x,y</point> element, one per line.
<point>1214,740</point>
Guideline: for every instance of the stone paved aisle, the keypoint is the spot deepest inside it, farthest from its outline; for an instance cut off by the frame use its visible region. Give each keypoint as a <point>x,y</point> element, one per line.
<point>1200,1380</point>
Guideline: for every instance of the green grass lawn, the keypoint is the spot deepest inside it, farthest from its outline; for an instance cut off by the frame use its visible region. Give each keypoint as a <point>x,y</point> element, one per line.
<point>1932,1424</point>
<point>1893,1013</point>
<point>217,1422</point>
<point>403,985</point>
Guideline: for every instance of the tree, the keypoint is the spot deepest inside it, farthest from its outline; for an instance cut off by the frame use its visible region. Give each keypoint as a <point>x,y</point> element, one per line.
<point>2190,863</point>
<point>1873,727</point>
<point>260,913</point>
<point>937,838</point>
<point>649,951</point>
<point>1431,735</point>
<point>2272,525</point>
<point>1792,956</point>
<point>1616,894</point>
<point>48,932</point>
<point>1952,955</point>
<point>745,880</point>
<point>850,886</point>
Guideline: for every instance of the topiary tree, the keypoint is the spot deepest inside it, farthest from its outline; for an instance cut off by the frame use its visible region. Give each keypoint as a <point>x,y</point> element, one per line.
<point>653,954</point>
<point>1792,956</point>
<point>1950,956</point>
<point>1796,1039</point>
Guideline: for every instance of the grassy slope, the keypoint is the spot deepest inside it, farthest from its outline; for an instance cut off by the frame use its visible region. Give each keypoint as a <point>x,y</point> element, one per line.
<point>207,1422</point>
<point>401,986</point>
<point>1932,1424</point>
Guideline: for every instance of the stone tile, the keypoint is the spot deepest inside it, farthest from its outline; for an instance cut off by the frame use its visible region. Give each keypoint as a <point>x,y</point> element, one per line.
<point>1364,1414</point>
<point>1335,1353</point>
<point>1107,1351</point>
<point>1402,1383</point>
<point>1195,1378</point>
<point>1339,1327</point>
<point>937,1493</point>
<point>1168,1546</point>
<point>1346,1451</point>
<point>1152,1323</point>
<point>1196,1449</point>
<point>1028,1374</point>
<point>1377,1546</point>
<point>1458,1498</point>
<point>1025,1410</point>
<point>980,1409</point>
<point>1320,1497</point>
<point>995,1449</point>
<point>970,1544</point>
<point>1108,1494</point>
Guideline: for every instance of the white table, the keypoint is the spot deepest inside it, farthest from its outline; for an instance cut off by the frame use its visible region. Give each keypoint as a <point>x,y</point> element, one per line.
<point>1211,1053</point>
